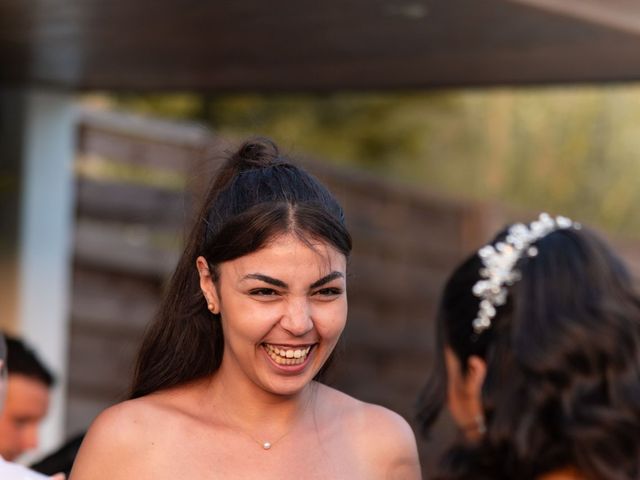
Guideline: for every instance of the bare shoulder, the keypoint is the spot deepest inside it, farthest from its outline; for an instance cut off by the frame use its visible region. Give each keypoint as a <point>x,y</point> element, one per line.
<point>384,439</point>
<point>373,423</point>
<point>124,417</point>
<point>387,436</point>
<point>125,432</point>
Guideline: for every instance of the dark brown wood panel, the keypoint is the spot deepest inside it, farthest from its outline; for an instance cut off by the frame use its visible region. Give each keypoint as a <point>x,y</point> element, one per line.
<point>131,249</point>
<point>102,362</point>
<point>305,45</point>
<point>122,303</point>
<point>135,151</point>
<point>132,203</point>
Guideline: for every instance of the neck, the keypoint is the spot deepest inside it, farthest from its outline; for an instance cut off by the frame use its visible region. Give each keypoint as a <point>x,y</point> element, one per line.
<point>261,416</point>
<point>245,404</point>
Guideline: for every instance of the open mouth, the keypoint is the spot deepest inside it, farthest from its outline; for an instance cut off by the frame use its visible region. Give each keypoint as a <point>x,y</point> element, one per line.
<point>284,355</point>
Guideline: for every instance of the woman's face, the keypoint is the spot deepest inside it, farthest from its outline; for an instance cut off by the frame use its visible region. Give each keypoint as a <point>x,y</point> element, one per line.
<point>282,309</point>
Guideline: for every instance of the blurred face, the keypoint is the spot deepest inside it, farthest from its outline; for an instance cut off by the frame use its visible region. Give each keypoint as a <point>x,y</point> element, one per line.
<point>3,376</point>
<point>283,309</point>
<point>26,405</point>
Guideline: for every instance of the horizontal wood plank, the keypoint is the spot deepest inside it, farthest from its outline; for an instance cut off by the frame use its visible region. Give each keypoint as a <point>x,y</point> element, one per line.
<point>133,203</point>
<point>131,249</point>
<point>101,364</point>
<point>121,303</point>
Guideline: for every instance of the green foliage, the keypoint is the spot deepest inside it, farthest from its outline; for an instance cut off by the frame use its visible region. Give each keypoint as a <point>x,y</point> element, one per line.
<point>566,150</point>
<point>183,106</point>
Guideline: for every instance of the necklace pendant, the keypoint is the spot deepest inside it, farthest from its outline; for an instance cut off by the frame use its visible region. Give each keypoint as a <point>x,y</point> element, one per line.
<point>266,445</point>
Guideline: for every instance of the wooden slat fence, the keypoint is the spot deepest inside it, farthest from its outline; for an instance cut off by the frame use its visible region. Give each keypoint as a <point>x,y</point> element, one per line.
<point>131,220</point>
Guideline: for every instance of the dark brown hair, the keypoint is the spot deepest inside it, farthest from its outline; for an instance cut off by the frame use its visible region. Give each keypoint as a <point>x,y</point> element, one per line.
<point>563,365</point>
<point>22,360</point>
<point>257,195</point>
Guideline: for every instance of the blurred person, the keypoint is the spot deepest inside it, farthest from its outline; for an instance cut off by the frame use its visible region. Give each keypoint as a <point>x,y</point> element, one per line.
<point>12,471</point>
<point>539,359</point>
<point>227,379</point>
<point>27,400</point>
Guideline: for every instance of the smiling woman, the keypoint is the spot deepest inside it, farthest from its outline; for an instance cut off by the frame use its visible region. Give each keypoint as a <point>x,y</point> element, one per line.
<point>282,310</point>
<point>227,382</point>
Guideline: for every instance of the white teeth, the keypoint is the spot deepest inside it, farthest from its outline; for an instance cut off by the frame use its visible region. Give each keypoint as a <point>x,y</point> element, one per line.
<point>287,357</point>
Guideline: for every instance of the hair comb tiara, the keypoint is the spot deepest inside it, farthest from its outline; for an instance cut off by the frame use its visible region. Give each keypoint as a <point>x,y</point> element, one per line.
<point>498,263</point>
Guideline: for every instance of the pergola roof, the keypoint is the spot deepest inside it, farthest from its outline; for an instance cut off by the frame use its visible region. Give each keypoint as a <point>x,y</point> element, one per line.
<point>282,45</point>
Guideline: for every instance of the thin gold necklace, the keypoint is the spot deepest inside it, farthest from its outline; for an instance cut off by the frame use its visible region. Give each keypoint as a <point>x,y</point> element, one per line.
<point>266,444</point>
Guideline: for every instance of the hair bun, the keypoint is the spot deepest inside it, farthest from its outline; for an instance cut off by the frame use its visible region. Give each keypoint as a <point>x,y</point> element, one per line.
<point>256,153</point>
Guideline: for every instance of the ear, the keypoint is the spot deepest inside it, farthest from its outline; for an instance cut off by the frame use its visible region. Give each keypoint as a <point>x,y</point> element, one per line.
<point>207,285</point>
<point>475,375</point>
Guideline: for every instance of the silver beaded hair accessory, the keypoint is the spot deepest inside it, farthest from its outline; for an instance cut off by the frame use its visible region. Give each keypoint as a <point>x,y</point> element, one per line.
<point>498,262</point>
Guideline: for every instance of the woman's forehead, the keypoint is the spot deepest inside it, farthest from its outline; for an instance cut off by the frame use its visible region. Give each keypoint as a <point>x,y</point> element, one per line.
<point>287,255</point>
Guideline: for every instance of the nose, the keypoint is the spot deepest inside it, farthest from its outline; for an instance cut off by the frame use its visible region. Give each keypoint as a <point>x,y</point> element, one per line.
<point>297,319</point>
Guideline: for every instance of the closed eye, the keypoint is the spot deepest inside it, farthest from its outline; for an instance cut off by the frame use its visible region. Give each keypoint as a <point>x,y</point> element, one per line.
<point>263,292</point>
<point>329,292</point>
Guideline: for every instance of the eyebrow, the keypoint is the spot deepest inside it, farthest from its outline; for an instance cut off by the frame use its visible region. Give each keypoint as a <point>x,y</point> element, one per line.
<point>279,283</point>
<point>266,279</point>
<point>326,279</point>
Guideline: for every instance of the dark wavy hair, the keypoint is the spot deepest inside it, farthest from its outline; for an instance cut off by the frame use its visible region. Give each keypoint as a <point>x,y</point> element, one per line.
<point>257,195</point>
<point>563,365</point>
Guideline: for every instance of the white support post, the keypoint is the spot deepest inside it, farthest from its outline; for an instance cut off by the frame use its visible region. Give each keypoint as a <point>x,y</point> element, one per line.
<point>46,237</point>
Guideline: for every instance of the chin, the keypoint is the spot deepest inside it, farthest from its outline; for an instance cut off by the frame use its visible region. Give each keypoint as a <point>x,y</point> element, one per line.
<point>288,386</point>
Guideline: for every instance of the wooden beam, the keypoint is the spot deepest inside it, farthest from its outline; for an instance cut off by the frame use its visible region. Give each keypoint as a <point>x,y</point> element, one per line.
<point>284,45</point>
<point>623,15</point>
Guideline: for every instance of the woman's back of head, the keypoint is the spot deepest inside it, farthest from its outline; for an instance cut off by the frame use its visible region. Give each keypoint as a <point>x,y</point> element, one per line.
<point>562,386</point>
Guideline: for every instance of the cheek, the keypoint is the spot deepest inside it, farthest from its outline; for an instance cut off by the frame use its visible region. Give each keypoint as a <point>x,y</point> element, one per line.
<point>11,428</point>
<point>330,320</point>
<point>247,318</point>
